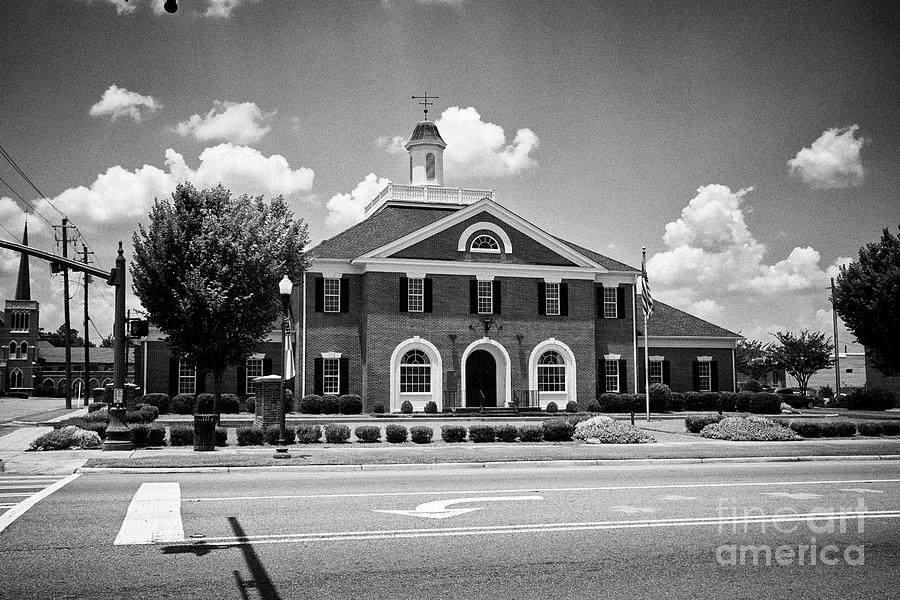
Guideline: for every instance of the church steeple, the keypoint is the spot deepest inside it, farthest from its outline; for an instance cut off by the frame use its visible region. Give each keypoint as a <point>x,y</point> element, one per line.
<point>23,285</point>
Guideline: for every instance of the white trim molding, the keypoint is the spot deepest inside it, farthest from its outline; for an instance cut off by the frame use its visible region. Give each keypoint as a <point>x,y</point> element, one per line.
<point>484,226</point>
<point>657,358</point>
<point>704,359</point>
<point>331,355</point>
<point>561,398</point>
<point>504,367</point>
<point>437,373</point>
<point>612,357</point>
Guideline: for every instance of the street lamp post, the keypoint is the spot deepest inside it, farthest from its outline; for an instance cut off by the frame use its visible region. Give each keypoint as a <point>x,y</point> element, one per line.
<point>285,286</point>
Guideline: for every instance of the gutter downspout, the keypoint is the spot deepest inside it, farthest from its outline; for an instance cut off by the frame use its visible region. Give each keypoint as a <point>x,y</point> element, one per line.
<point>634,333</point>
<point>303,342</point>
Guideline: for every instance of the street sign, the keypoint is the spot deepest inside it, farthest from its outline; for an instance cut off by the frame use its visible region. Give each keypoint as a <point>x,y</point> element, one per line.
<point>439,509</point>
<point>118,396</point>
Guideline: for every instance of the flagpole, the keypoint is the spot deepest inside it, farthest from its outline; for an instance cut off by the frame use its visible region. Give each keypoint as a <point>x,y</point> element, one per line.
<point>646,349</point>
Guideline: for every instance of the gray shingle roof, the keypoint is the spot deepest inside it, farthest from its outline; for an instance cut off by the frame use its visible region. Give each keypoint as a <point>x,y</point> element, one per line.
<point>669,321</point>
<point>53,354</point>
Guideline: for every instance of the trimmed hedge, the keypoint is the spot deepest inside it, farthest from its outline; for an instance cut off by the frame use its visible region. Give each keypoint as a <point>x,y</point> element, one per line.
<point>676,403</point>
<point>594,407</point>
<point>558,430</point>
<point>367,434</point>
<point>431,407</point>
<point>336,433</point>
<point>311,404</point>
<point>696,424</point>
<point>147,435</point>
<point>229,404</point>
<point>273,433</point>
<point>143,413</point>
<point>395,434</point>
<point>221,436</point>
<point>95,406</point>
<point>308,434</point>
<point>350,404</point>
<point>160,401</point>
<point>181,435</point>
<point>183,404</point>
<point>453,434</point>
<point>868,399</point>
<point>617,403</point>
<point>660,397</point>
<point>481,433</point>
<point>421,434</point>
<point>205,404</point>
<point>249,435</point>
<point>571,406</point>
<point>879,428</point>
<point>330,405</point>
<point>406,408</point>
<point>378,407</point>
<point>506,433</point>
<point>531,432</point>
<point>250,404</point>
<point>551,407</point>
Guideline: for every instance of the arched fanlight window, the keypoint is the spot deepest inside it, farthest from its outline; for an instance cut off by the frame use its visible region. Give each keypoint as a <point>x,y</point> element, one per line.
<point>415,373</point>
<point>551,375</point>
<point>485,243</point>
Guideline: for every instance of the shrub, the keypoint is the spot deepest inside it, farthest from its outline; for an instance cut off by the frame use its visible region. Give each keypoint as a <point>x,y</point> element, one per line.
<point>869,399</point>
<point>139,435</point>
<point>336,434</point>
<point>350,404</point>
<point>368,434</point>
<point>421,434</point>
<point>330,405</point>
<point>431,407</point>
<point>879,427</point>
<point>571,406</point>
<point>143,413</point>
<point>481,433</point>
<point>806,429</point>
<point>676,404</point>
<point>311,404</point>
<point>753,428</point>
<point>406,408</point>
<point>156,435</point>
<point>838,429</point>
<point>616,403</point>
<point>395,434</point>
<point>378,407</point>
<point>506,433</point>
<point>181,435</point>
<point>594,407</point>
<point>67,437</point>
<point>765,404</point>
<point>660,397</point>
<point>696,424</point>
<point>221,436</point>
<point>826,392</point>
<point>229,404</point>
<point>95,406</point>
<point>160,401</point>
<point>272,434</point>
<point>606,430</point>
<point>183,404</point>
<point>551,407</point>
<point>308,434</point>
<point>453,434</point>
<point>250,404</point>
<point>249,435</point>
<point>751,385</point>
<point>558,430</point>
<point>205,404</point>
<point>531,432</point>
<point>728,401</point>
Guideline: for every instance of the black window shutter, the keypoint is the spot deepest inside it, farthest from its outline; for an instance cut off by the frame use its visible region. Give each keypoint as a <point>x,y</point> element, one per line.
<point>428,288</point>
<point>665,373</point>
<point>201,381</point>
<point>601,376</point>
<point>564,299</point>
<point>620,303</point>
<point>267,366</point>
<point>473,296</point>
<point>599,289</point>
<point>345,295</point>
<point>320,294</point>
<point>345,375</point>
<point>173,376</point>
<point>497,298</point>
<point>241,380</point>
<point>714,375</point>
<point>623,377</point>
<point>695,372</point>
<point>404,294</point>
<point>318,374</point>
<point>542,298</point>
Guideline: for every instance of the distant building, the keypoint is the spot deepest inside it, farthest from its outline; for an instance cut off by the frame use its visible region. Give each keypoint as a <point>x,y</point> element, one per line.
<point>853,372</point>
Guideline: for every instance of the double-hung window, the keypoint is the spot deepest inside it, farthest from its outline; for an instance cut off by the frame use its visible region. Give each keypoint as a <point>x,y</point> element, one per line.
<point>485,297</point>
<point>551,298</point>
<point>656,371</point>
<point>415,373</point>
<point>254,369</point>
<point>610,303</point>
<point>551,375</point>
<point>331,376</point>
<point>612,376</point>
<point>705,377</point>
<point>332,295</point>
<point>415,294</point>
<point>187,378</point>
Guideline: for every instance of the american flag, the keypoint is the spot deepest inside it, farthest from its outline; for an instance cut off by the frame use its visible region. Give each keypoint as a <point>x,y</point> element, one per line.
<point>646,299</point>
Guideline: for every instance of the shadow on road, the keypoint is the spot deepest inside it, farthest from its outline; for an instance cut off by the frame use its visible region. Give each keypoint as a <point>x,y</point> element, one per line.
<point>259,578</point>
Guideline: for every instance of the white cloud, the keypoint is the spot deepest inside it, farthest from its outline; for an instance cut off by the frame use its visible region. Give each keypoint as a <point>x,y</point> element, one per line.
<point>477,148</point>
<point>393,145</point>
<point>214,8</point>
<point>221,8</point>
<point>123,7</point>
<point>345,210</point>
<point>832,161</point>
<point>227,121</point>
<point>118,102</point>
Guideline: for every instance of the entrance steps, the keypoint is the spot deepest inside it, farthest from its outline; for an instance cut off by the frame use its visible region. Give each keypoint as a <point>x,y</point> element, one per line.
<point>487,411</point>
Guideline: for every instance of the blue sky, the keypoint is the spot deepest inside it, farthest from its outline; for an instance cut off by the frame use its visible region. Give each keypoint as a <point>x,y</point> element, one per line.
<point>750,146</point>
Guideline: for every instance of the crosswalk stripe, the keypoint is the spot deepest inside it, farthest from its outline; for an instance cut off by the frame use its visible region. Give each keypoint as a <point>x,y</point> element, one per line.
<point>7,518</point>
<point>153,516</point>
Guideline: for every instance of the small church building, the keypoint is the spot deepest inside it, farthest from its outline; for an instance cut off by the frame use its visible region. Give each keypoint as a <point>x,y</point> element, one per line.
<point>444,294</point>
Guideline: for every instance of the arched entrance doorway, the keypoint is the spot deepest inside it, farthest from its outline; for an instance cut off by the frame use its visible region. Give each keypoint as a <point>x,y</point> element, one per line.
<point>481,379</point>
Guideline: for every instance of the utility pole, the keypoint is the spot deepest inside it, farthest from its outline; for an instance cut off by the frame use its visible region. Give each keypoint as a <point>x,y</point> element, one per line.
<point>837,354</point>
<point>87,354</point>
<point>68,324</point>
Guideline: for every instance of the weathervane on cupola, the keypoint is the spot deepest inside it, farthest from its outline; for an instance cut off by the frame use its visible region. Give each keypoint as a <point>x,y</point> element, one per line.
<point>426,150</point>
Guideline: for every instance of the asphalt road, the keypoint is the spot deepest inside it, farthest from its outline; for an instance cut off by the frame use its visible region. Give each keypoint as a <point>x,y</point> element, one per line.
<point>660,531</point>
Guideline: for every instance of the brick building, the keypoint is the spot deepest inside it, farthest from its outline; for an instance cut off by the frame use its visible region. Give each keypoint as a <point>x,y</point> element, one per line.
<point>443,294</point>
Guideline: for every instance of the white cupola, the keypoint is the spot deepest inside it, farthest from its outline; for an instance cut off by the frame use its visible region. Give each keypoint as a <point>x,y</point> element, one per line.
<point>426,155</point>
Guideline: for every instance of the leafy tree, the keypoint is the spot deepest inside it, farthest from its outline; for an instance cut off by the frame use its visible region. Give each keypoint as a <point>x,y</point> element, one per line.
<point>801,356</point>
<point>867,298</point>
<point>207,270</point>
<point>58,337</point>
<point>108,341</point>
<point>753,358</point>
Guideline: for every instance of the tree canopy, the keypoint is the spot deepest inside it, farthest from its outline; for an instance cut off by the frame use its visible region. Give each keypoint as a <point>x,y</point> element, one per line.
<point>752,358</point>
<point>207,269</point>
<point>802,355</point>
<point>867,298</point>
<point>58,337</point>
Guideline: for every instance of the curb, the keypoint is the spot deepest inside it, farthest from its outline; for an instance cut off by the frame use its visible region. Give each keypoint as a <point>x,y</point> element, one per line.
<point>523,464</point>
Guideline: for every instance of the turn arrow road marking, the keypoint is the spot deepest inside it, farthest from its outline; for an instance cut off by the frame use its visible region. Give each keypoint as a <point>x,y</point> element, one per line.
<point>439,509</point>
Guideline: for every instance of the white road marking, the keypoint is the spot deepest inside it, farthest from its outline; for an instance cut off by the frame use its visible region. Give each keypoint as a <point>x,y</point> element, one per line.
<point>153,516</point>
<point>797,496</point>
<point>862,490</point>
<point>439,509</point>
<point>7,518</point>
<point>633,509</point>
<point>513,491</point>
<point>677,497</point>
<point>293,538</point>
<point>16,494</point>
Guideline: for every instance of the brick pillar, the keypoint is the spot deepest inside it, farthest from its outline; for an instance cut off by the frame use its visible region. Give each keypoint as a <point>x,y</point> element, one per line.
<point>268,390</point>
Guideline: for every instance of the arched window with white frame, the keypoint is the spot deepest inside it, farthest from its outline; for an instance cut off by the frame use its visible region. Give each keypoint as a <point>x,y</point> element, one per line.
<point>415,373</point>
<point>13,350</point>
<point>485,243</point>
<point>551,375</point>
<point>23,351</point>
<point>15,378</point>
